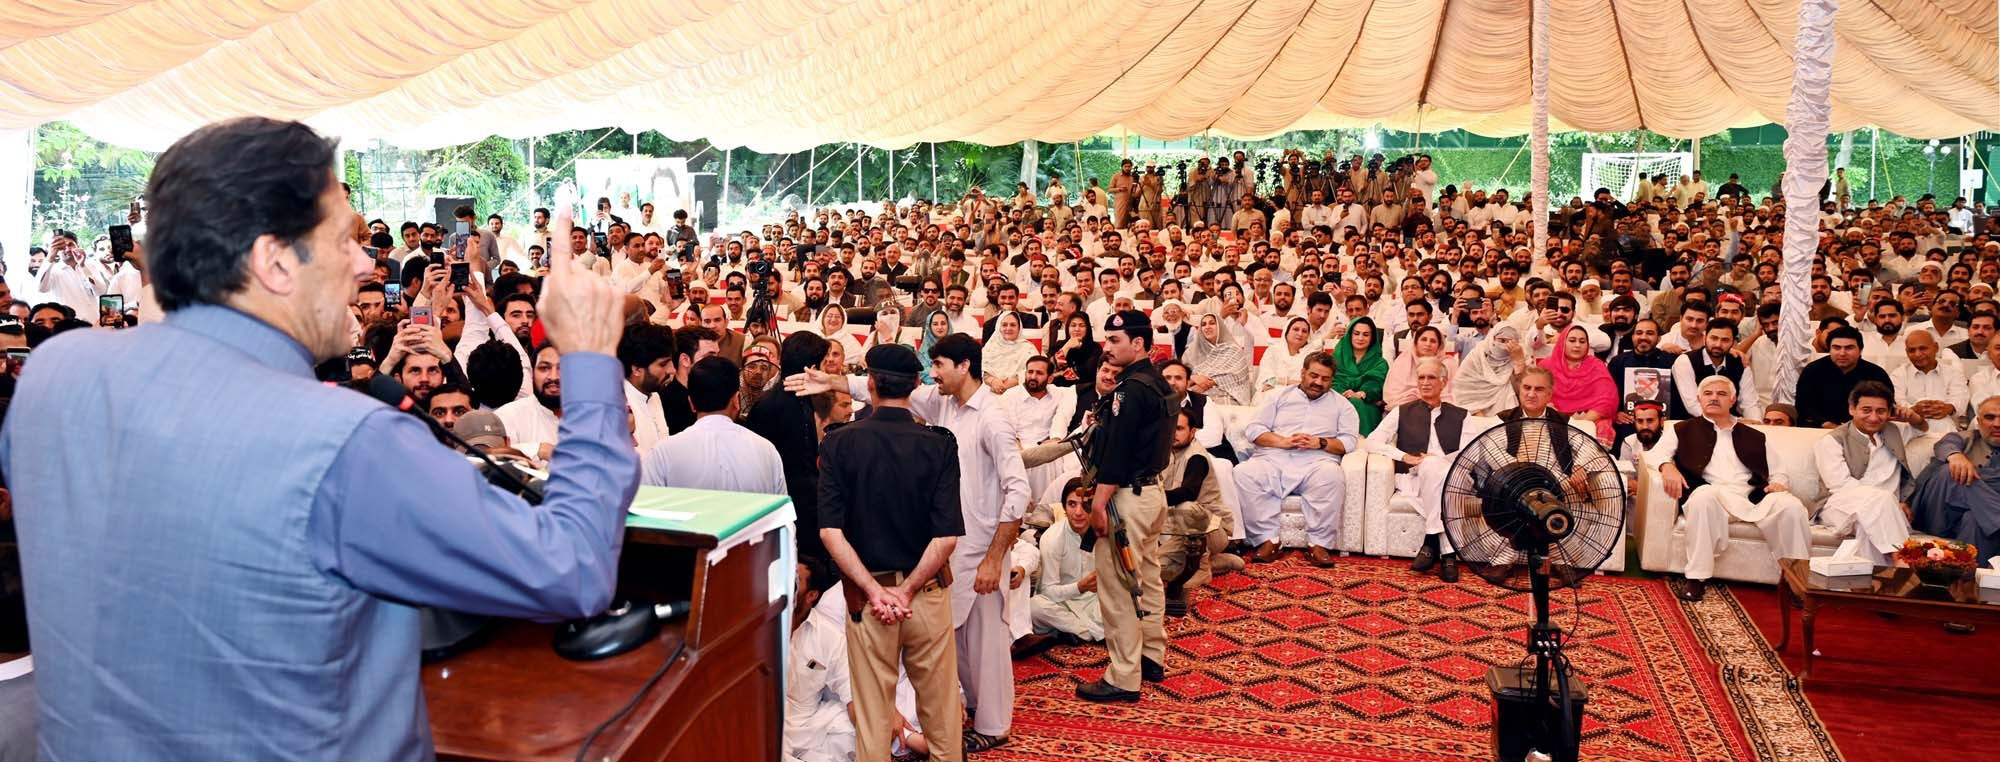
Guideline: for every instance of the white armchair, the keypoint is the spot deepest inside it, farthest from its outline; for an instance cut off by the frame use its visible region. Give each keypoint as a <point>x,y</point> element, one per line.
<point>1395,529</point>
<point>1663,545</point>
<point>1364,477</point>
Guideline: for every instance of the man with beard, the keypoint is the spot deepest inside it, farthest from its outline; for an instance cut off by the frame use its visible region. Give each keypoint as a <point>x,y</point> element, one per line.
<point>815,301</point>
<point>1475,319</point>
<point>512,324</point>
<point>1041,414</point>
<point>1648,424</point>
<point>531,421</point>
<point>785,419</point>
<point>1958,496</point>
<point>1822,296</point>
<point>647,351</point>
<point>691,344</point>
<point>1887,348</point>
<point>1716,356</point>
<point>760,369</point>
<point>1619,317</point>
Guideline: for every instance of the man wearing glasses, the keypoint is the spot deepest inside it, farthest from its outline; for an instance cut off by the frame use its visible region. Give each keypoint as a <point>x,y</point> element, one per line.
<point>1557,313</point>
<point>930,298</point>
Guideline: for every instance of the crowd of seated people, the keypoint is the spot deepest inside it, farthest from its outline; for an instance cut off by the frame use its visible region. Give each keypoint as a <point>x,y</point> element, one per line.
<point>1315,307</point>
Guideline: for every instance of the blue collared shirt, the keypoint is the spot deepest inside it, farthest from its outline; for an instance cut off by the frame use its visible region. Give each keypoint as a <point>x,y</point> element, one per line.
<point>223,555</point>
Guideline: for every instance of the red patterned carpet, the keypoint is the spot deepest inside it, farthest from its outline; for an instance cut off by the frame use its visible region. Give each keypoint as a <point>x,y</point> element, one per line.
<point>1369,661</point>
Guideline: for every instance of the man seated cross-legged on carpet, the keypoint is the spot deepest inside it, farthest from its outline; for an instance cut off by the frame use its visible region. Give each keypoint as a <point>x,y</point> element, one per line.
<point>819,700</point>
<point>1301,434</point>
<point>1420,436</point>
<point>1065,602</point>
<point>1720,472</point>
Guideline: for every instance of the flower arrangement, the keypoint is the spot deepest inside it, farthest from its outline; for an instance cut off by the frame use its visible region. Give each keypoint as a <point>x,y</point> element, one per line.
<point>1938,561</point>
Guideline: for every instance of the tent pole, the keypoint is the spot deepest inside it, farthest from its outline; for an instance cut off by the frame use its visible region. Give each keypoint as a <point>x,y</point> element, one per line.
<point>1697,154</point>
<point>812,163</point>
<point>857,173</point>
<point>1538,159</point>
<point>727,155</point>
<point>1874,139</point>
<point>892,175</point>
<point>1806,120</point>
<point>934,193</point>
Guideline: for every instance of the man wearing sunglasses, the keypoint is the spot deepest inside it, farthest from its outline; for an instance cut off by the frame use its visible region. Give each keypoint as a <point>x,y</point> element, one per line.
<point>930,298</point>
<point>1557,313</point>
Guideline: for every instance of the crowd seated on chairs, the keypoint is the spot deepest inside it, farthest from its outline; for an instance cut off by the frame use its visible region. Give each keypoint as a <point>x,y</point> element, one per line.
<point>1309,323</point>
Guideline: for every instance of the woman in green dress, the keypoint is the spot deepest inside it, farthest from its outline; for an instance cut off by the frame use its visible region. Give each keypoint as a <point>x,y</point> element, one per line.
<point>1359,371</point>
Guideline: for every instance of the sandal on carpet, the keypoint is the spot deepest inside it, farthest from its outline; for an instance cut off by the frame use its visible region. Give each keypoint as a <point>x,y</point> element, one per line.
<point>976,741</point>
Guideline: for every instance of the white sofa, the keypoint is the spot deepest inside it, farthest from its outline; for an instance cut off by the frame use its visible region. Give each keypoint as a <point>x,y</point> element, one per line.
<point>1393,527</point>
<point>1663,545</point>
<point>1366,478</point>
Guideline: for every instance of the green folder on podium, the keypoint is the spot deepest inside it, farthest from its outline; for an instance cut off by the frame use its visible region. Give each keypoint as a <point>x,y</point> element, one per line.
<point>721,515</point>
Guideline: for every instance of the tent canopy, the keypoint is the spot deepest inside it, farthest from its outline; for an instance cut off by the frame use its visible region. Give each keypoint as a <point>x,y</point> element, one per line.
<point>782,75</point>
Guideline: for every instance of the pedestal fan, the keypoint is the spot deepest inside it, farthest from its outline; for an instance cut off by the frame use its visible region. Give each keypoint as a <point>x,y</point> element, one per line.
<point>1530,505</point>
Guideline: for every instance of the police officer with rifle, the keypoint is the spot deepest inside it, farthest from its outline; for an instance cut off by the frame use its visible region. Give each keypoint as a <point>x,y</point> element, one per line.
<point>1124,457</point>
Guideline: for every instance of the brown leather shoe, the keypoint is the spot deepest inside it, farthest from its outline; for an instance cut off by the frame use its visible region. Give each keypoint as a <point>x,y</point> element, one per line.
<point>1320,557</point>
<point>1266,553</point>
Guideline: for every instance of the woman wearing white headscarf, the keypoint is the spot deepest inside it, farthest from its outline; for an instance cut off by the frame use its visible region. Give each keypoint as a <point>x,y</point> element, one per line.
<point>1005,356</point>
<point>832,325</point>
<point>1220,364</point>
<point>1285,360</point>
<point>1485,381</point>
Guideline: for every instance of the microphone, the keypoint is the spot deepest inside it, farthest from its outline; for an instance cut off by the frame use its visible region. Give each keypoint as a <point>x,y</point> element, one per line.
<point>392,393</point>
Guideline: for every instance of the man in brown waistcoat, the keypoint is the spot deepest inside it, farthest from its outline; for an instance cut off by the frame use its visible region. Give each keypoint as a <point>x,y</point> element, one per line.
<point>1721,472</point>
<point>1420,436</point>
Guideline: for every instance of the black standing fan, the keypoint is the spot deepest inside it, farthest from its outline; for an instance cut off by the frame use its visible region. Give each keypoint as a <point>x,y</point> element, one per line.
<point>1529,504</point>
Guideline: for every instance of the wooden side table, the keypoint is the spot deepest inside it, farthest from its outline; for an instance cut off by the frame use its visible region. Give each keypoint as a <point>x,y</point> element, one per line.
<point>1891,589</point>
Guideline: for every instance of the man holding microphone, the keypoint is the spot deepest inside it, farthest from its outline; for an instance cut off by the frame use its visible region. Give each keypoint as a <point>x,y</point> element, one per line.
<point>225,568</point>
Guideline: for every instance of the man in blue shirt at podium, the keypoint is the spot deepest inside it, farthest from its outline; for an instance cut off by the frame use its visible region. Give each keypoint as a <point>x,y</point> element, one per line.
<point>224,557</point>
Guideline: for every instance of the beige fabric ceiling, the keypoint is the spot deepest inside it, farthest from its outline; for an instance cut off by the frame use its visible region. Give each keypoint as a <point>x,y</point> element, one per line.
<point>780,75</point>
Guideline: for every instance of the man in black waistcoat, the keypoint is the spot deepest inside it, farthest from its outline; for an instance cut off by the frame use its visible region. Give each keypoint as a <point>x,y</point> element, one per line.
<point>1720,471</point>
<point>1420,436</point>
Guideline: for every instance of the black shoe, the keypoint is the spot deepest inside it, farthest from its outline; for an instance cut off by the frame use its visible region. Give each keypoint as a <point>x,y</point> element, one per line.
<point>1426,558</point>
<point>1032,644</point>
<point>1103,692</point>
<point>1696,590</point>
<point>1151,671</point>
<point>1448,571</point>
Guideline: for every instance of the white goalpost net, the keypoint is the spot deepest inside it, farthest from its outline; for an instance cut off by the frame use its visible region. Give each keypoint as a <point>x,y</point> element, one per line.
<point>1621,172</point>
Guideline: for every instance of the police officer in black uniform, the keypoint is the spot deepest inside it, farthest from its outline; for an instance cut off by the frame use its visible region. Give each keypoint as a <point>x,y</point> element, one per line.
<point>889,516</point>
<point>1126,453</point>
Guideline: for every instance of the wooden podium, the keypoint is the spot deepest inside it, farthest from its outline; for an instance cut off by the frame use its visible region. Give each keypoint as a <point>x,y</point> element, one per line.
<point>512,699</point>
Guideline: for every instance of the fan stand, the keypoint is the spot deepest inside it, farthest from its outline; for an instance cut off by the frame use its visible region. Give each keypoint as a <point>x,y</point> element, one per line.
<point>1523,701</point>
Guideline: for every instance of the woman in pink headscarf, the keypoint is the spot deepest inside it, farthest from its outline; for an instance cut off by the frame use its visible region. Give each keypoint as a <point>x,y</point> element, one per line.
<point>1583,386</point>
